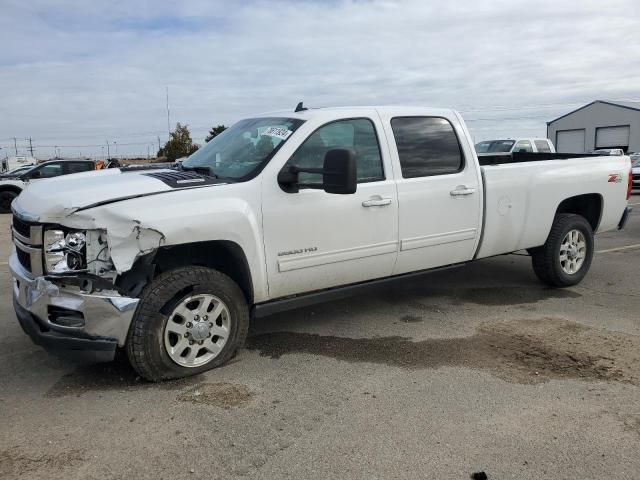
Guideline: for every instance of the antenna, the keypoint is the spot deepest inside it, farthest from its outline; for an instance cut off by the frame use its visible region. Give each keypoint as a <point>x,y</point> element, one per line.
<point>300,108</point>
<point>168,123</point>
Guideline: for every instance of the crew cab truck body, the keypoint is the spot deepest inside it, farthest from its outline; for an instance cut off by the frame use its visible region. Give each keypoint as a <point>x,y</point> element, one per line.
<point>281,210</point>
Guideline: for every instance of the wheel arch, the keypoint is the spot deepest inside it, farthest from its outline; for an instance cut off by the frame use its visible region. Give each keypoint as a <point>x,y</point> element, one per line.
<point>588,205</point>
<point>224,256</point>
<point>10,188</point>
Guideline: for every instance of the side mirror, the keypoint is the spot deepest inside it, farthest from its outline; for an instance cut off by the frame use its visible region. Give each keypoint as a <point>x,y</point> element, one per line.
<point>339,174</point>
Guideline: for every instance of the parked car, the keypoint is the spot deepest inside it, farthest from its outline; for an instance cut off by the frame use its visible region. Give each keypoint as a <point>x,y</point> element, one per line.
<point>283,210</point>
<point>514,145</point>
<point>11,185</point>
<point>608,151</point>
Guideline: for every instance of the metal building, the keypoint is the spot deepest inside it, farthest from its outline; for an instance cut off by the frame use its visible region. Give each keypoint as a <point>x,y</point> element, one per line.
<point>600,124</point>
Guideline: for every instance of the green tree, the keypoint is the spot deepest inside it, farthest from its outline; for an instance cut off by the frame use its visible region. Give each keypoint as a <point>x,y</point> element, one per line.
<point>179,145</point>
<point>214,132</point>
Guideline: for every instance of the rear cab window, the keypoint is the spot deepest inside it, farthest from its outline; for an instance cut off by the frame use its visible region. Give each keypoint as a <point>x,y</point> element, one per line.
<point>427,146</point>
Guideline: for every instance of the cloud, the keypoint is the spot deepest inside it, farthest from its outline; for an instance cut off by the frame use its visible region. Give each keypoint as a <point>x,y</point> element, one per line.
<point>81,73</point>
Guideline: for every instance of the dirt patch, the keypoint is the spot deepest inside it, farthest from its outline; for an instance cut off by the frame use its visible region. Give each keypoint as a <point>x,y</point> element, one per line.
<point>118,375</point>
<point>410,319</point>
<point>15,462</point>
<point>223,395</point>
<point>527,351</point>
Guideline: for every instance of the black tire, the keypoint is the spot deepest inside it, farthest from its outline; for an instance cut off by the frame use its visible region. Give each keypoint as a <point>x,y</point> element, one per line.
<point>145,342</point>
<point>6,197</point>
<point>546,259</point>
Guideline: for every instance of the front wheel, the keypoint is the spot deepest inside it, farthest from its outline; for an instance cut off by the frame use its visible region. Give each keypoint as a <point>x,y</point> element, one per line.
<point>566,256</point>
<point>189,320</point>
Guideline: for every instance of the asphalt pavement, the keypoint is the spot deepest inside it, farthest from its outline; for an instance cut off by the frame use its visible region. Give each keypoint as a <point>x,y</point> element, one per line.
<point>480,368</point>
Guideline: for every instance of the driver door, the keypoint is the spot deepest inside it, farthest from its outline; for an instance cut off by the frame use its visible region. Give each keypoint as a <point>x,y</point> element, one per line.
<point>316,240</point>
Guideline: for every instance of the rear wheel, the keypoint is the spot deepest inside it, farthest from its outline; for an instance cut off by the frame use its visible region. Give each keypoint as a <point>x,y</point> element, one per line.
<point>189,320</point>
<point>566,256</point>
<point>6,197</point>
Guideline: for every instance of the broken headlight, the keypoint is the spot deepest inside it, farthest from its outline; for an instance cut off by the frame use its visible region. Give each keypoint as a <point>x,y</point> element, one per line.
<point>64,251</point>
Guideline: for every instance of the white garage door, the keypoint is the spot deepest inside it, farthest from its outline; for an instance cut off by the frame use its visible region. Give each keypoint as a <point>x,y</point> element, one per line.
<point>570,141</point>
<point>607,137</point>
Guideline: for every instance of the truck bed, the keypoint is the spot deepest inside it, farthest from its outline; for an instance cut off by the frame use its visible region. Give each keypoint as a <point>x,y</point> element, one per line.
<point>522,197</point>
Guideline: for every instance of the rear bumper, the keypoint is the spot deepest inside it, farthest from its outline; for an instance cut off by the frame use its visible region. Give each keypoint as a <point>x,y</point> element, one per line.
<point>67,319</point>
<point>625,217</point>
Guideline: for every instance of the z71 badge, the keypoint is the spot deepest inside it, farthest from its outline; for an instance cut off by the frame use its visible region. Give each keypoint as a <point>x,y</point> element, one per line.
<point>615,178</point>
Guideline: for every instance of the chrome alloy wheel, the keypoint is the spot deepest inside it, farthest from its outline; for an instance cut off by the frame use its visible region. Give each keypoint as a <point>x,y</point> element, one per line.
<point>573,251</point>
<point>197,330</point>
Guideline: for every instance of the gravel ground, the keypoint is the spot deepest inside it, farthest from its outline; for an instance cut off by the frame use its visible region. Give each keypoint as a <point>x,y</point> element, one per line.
<point>474,369</point>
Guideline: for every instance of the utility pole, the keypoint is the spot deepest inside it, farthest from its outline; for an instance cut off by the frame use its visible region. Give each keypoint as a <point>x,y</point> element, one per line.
<point>168,123</point>
<point>108,153</point>
<point>15,145</point>
<point>30,145</point>
<point>159,147</point>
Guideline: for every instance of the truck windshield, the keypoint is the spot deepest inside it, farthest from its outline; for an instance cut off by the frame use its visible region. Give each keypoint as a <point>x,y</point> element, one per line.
<point>491,146</point>
<point>244,148</point>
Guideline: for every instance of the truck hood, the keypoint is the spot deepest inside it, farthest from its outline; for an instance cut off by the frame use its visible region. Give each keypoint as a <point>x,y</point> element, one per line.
<point>54,199</point>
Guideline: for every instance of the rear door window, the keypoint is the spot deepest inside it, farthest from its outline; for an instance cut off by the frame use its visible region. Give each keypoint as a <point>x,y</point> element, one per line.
<point>76,167</point>
<point>427,146</point>
<point>542,145</point>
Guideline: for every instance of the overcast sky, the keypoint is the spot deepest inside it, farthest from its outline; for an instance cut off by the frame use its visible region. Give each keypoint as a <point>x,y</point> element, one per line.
<point>77,73</point>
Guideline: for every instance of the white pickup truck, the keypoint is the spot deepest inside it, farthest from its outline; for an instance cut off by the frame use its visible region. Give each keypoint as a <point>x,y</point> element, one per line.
<point>283,210</point>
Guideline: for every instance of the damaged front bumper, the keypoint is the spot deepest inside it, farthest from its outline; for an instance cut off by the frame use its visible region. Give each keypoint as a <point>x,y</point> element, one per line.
<point>66,319</point>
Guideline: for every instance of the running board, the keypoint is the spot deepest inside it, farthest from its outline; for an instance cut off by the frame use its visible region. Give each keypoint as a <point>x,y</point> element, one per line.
<point>320,296</point>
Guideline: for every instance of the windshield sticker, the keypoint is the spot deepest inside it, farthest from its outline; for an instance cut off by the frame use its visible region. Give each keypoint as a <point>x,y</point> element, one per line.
<point>278,132</point>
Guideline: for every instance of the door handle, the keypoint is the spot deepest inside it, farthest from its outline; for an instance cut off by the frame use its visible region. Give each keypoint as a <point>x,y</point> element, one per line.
<point>377,201</point>
<point>462,190</point>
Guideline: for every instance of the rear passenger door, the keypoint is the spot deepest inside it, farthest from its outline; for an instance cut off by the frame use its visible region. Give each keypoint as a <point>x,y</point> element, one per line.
<point>439,190</point>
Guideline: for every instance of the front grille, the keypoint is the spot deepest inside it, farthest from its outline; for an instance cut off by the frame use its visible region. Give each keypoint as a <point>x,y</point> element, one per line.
<point>22,227</point>
<point>24,258</point>
<point>27,237</point>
